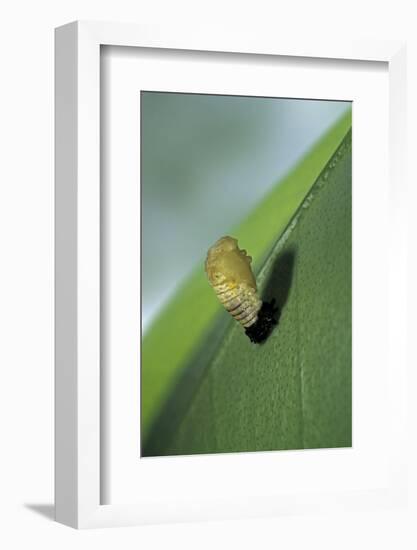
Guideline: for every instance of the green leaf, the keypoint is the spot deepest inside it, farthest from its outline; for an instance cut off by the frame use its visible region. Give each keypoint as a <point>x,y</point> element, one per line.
<point>293,391</point>
<point>175,338</point>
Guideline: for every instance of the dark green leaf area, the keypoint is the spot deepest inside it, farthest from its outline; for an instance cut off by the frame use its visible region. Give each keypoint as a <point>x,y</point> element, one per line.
<point>294,390</point>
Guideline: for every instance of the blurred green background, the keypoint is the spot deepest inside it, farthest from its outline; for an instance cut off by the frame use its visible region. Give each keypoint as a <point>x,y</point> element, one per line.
<point>206,162</point>
<point>213,165</point>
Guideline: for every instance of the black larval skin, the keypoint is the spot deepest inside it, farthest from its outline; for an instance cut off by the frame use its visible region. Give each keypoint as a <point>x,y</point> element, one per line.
<point>267,319</point>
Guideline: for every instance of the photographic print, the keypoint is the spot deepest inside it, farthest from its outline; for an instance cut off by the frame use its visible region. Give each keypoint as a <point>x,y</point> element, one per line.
<point>246,286</point>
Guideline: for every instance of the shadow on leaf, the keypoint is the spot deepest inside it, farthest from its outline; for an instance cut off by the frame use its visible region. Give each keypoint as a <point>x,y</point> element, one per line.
<point>276,288</point>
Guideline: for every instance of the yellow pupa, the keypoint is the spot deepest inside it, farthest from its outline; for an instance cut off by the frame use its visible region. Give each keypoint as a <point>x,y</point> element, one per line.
<point>229,272</point>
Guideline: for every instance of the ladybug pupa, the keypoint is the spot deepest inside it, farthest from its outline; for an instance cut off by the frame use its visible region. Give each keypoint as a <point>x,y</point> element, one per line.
<point>229,273</point>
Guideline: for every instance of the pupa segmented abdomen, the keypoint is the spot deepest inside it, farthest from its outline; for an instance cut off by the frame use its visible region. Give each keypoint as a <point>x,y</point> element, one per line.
<point>241,302</point>
<point>230,274</point>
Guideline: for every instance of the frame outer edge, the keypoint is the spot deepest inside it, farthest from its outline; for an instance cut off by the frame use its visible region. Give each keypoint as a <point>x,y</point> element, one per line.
<point>66,347</point>
<point>399,247</point>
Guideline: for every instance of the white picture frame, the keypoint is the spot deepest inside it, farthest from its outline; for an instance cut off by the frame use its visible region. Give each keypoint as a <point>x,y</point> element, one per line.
<point>78,405</point>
